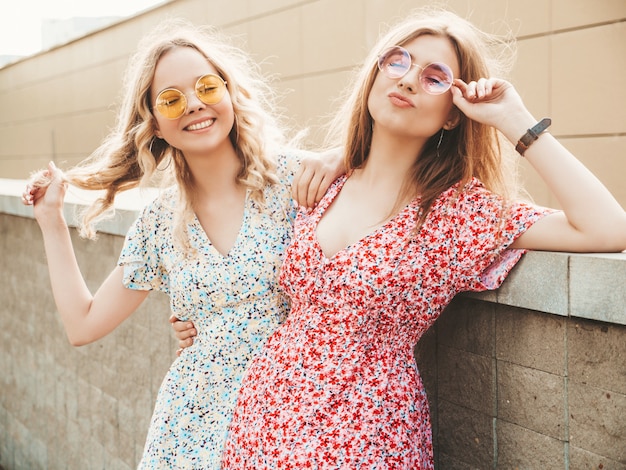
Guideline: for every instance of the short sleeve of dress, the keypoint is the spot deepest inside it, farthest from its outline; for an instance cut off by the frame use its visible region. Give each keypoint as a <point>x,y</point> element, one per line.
<point>141,254</point>
<point>484,227</point>
<point>286,168</point>
<point>287,165</point>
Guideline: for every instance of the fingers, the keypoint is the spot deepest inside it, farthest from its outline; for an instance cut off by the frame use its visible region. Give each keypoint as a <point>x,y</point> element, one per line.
<point>314,192</point>
<point>182,345</point>
<point>40,181</point>
<point>295,194</point>
<point>36,187</point>
<point>481,89</point>
<point>185,343</point>
<point>322,187</point>
<point>478,90</point>
<point>184,331</point>
<point>28,195</point>
<point>56,175</point>
<point>311,183</point>
<point>301,184</point>
<point>474,90</point>
<point>187,333</point>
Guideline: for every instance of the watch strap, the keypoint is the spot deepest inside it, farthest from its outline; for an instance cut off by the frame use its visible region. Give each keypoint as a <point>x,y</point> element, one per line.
<point>531,135</point>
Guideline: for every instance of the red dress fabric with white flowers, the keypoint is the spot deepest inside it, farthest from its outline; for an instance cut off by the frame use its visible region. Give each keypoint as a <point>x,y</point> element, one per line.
<point>336,386</point>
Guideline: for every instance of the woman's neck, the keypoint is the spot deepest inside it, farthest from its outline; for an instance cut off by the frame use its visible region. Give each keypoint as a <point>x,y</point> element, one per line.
<point>215,174</point>
<point>390,158</point>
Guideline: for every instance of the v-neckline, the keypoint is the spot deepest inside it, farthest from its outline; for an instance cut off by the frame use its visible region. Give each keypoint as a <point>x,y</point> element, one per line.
<point>328,200</point>
<point>240,232</point>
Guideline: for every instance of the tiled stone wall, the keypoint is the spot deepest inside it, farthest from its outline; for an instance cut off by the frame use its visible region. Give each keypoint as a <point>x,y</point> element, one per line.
<point>519,388</point>
<point>63,407</point>
<point>510,387</point>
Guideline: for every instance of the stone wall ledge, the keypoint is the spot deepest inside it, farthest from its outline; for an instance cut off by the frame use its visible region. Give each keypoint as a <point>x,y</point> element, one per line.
<point>579,285</point>
<point>127,205</point>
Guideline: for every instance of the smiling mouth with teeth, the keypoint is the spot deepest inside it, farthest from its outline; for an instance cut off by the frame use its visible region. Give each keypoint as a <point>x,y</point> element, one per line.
<point>200,125</point>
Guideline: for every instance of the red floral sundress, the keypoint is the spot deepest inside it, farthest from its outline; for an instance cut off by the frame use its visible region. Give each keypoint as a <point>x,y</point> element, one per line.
<point>336,386</point>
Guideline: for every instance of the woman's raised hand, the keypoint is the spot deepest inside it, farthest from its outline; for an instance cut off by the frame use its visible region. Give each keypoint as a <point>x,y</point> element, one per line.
<point>494,102</point>
<point>45,191</point>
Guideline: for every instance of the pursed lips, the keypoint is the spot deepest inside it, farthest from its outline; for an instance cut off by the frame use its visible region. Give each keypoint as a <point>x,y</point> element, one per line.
<point>400,100</point>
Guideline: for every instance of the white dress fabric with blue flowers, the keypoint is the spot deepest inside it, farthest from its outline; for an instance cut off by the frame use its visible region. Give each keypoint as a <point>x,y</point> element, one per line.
<point>235,303</point>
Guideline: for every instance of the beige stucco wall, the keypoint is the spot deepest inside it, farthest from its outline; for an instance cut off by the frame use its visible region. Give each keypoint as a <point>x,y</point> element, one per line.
<point>571,66</point>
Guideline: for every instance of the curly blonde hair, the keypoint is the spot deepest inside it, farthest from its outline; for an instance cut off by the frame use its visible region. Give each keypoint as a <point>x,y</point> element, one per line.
<point>470,149</point>
<point>131,153</point>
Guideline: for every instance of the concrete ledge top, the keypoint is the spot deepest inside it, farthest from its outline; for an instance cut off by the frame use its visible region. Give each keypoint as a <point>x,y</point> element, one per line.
<point>581,285</point>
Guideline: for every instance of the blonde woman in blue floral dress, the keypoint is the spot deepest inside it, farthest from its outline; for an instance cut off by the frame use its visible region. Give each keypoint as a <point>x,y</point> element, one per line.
<point>197,111</point>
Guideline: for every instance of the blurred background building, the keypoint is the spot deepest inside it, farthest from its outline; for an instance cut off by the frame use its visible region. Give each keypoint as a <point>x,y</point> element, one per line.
<point>571,64</point>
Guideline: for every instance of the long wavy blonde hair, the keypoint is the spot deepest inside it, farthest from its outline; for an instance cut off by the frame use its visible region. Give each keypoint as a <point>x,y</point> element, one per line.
<point>129,156</point>
<point>470,149</point>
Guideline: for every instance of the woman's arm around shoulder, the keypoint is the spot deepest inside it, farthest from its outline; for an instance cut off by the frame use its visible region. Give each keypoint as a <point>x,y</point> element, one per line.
<point>316,173</point>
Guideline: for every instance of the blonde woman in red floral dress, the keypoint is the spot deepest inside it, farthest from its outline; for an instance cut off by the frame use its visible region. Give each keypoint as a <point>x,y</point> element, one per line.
<point>423,214</point>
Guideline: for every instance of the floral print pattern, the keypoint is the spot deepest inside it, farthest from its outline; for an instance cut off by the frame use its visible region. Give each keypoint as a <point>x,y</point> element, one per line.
<point>235,302</point>
<point>336,386</point>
